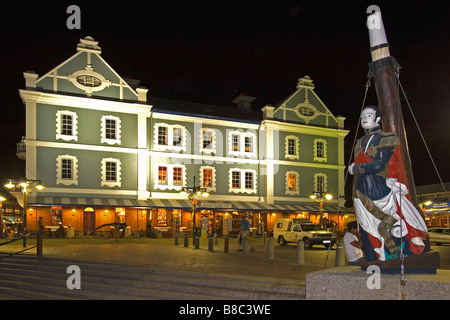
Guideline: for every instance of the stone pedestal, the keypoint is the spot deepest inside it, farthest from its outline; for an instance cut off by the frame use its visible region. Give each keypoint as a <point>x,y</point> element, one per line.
<point>351,283</point>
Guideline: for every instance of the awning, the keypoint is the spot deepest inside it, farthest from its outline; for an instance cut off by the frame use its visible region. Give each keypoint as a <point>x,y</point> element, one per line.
<point>184,204</point>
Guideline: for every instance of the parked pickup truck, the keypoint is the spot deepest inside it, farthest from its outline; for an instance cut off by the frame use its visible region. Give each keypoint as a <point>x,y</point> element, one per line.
<point>292,230</point>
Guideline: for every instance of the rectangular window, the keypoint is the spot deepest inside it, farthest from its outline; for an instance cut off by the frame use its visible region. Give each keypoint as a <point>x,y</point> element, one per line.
<point>162,175</point>
<point>66,169</point>
<point>177,176</point>
<point>291,147</point>
<point>177,137</point>
<point>110,129</point>
<point>163,136</point>
<point>248,180</point>
<point>320,180</point>
<point>248,144</point>
<point>292,182</point>
<point>207,139</point>
<point>66,124</point>
<point>320,149</point>
<point>236,179</point>
<point>236,142</point>
<point>111,171</point>
<point>207,177</point>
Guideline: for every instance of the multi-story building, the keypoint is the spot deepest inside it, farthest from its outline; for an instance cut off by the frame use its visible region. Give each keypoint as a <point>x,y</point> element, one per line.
<point>106,152</point>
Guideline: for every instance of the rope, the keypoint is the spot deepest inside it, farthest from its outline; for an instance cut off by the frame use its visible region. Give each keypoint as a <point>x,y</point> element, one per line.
<point>421,135</point>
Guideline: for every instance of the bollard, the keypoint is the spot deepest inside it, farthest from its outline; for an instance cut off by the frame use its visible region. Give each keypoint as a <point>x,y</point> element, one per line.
<point>39,244</point>
<point>245,246</point>
<point>216,239</point>
<point>186,240</point>
<point>300,252</point>
<point>270,251</point>
<point>340,254</point>
<point>226,244</point>
<point>211,244</point>
<point>176,239</point>
<point>197,242</point>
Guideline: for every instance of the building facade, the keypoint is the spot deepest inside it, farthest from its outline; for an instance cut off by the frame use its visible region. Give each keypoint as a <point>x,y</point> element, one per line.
<point>106,152</point>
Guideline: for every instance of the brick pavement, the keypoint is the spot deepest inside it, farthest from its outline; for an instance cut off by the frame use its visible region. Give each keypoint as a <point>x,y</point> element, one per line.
<point>163,254</point>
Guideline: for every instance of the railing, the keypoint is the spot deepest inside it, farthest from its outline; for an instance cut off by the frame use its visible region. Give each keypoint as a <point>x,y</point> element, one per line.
<point>38,246</point>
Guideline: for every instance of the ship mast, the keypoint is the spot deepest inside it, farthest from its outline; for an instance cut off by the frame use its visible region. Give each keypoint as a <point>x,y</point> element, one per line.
<point>384,70</point>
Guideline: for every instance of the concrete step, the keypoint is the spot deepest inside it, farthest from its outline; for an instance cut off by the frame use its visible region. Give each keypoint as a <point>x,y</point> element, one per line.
<point>102,280</point>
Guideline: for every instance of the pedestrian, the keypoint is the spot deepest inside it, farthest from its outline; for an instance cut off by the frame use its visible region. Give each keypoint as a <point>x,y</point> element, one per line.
<point>353,244</point>
<point>245,229</point>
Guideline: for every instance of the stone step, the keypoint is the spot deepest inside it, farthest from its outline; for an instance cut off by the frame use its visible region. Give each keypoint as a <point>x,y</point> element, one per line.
<point>103,280</point>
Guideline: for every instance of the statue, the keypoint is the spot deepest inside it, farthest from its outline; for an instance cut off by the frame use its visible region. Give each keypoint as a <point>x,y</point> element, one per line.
<point>389,223</point>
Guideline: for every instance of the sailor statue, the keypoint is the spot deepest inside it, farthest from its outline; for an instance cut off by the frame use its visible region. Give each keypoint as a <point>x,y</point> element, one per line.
<point>389,224</point>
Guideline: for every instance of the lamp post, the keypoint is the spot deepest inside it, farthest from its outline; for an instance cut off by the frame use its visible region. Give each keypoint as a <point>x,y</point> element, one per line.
<point>193,192</point>
<point>320,196</point>
<point>25,188</point>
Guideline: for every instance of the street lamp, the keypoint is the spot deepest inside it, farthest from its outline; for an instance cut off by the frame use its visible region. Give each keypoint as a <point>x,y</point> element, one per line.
<point>25,188</point>
<point>319,196</point>
<point>193,192</point>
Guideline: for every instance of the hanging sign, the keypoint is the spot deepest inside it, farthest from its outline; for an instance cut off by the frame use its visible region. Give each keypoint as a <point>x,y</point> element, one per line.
<point>440,205</point>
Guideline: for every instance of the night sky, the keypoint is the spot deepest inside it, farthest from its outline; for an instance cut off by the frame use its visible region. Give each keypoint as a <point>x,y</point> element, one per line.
<point>211,51</point>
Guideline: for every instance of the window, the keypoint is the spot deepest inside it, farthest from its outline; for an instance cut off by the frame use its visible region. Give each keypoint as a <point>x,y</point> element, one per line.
<point>292,183</point>
<point>242,180</point>
<point>242,143</point>
<point>208,178</point>
<point>291,147</point>
<point>66,125</point>
<point>162,175</point>
<point>320,182</point>
<point>320,150</point>
<point>170,176</point>
<point>111,172</point>
<point>170,137</point>
<point>207,140</point>
<point>110,130</point>
<point>177,176</point>
<point>89,81</point>
<point>66,170</point>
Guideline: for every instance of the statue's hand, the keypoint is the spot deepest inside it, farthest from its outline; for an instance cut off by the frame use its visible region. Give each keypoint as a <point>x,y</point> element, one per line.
<point>351,169</point>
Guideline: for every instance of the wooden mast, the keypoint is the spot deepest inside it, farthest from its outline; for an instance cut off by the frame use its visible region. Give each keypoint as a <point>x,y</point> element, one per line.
<point>383,68</point>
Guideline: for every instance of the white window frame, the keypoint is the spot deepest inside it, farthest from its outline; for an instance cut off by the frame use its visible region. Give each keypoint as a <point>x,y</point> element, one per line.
<point>325,182</point>
<point>316,157</point>
<point>297,183</point>
<point>242,188</point>
<point>59,125</point>
<point>59,170</point>
<point>170,131</point>
<point>296,148</point>
<point>241,140</point>
<point>118,182</point>
<point>169,185</point>
<point>213,178</point>
<point>212,148</point>
<point>118,130</point>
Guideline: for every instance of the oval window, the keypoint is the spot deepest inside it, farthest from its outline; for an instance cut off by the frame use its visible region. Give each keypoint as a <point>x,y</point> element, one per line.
<point>306,111</point>
<point>89,81</point>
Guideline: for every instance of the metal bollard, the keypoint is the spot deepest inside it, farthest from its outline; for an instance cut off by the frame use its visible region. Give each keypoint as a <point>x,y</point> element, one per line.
<point>245,246</point>
<point>270,251</point>
<point>216,239</point>
<point>39,244</point>
<point>197,242</point>
<point>226,244</point>
<point>176,239</point>
<point>211,244</point>
<point>300,252</point>
<point>186,240</point>
<point>340,254</point>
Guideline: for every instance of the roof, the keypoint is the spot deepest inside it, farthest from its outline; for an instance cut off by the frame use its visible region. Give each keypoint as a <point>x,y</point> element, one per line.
<point>203,110</point>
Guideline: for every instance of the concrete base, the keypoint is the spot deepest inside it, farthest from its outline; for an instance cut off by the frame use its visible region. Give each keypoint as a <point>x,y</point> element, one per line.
<point>350,283</point>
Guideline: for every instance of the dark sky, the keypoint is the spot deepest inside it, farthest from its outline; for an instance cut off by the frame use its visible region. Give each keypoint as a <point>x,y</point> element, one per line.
<point>210,51</point>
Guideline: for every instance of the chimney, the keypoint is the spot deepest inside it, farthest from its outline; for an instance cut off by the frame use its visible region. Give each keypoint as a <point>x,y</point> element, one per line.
<point>30,79</point>
<point>244,102</point>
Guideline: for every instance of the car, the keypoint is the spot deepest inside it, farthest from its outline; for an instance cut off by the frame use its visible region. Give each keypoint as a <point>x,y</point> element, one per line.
<point>439,235</point>
<point>292,230</point>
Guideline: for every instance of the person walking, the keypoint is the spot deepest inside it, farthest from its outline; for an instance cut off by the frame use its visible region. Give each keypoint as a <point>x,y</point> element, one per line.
<point>245,230</point>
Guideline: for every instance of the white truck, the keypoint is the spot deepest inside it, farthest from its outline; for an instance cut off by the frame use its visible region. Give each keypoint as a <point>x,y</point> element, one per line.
<point>292,230</point>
